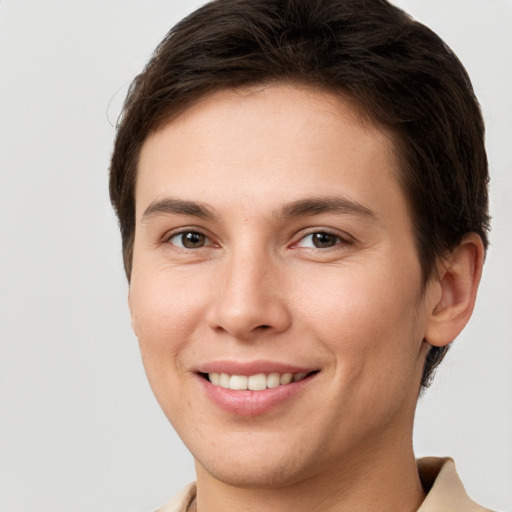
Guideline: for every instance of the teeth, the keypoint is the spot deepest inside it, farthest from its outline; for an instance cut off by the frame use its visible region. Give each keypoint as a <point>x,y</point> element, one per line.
<point>238,382</point>
<point>286,378</point>
<point>257,382</point>
<point>273,380</point>
<point>299,376</point>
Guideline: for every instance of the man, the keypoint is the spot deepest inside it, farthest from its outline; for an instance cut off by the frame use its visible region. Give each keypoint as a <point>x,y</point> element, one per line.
<point>302,195</point>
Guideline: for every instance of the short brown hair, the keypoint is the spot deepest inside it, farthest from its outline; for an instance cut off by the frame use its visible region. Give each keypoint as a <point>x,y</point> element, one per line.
<point>399,74</point>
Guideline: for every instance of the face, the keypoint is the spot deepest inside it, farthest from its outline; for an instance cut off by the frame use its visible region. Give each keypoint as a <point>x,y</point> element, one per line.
<point>276,290</point>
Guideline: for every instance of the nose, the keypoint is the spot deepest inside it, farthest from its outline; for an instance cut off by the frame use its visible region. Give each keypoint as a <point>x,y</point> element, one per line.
<point>249,300</point>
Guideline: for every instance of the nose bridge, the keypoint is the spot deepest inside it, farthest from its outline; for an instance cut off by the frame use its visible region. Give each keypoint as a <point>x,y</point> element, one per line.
<point>249,299</point>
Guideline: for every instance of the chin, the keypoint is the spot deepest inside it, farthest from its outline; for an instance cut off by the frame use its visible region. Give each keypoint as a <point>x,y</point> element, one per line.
<point>254,474</point>
<point>249,458</point>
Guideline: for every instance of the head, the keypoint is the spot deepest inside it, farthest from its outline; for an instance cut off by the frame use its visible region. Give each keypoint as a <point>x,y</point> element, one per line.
<point>395,72</point>
<point>292,105</point>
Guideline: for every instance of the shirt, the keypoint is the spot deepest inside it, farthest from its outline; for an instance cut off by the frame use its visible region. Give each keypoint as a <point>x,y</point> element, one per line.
<point>445,492</point>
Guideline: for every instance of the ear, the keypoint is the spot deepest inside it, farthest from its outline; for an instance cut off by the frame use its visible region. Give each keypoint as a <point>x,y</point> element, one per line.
<point>132,320</point>
<point>455,291</point>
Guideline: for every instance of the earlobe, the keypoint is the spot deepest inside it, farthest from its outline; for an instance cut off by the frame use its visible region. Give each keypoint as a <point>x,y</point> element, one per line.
<point>457,284</point>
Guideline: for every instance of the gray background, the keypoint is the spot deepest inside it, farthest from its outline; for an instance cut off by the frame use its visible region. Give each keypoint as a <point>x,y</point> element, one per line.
<point>80,430</point>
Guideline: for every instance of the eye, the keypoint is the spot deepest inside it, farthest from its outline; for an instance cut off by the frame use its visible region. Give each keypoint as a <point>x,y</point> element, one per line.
<point>320,240</point>
<point>189,240</point>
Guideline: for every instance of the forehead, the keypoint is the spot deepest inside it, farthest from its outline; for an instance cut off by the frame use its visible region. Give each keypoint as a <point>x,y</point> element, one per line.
<point>273,141</point>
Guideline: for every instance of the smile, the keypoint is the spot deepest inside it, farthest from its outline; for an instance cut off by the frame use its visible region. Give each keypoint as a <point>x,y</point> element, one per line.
<point>258,382</point>
<point>258,391</point>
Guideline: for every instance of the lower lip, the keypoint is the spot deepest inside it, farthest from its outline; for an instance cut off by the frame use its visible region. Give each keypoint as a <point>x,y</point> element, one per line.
<point>252,403</point>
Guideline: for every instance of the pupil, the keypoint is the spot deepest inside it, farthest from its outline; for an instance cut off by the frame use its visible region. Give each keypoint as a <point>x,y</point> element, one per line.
<point>322,240</point>
<point>193,240</point>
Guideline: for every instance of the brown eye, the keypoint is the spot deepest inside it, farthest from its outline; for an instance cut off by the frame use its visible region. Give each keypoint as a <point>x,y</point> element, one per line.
<point>320,240</point>
<point>189,240</point>
<point>324,240</point>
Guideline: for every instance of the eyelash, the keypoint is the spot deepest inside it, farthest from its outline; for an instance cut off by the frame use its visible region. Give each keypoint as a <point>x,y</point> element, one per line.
<point>340,240</point>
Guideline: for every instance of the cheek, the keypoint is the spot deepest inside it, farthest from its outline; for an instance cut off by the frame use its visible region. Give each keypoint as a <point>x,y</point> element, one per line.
<point>164,317</point>
<point>165,313</point>
<point>370,321</point>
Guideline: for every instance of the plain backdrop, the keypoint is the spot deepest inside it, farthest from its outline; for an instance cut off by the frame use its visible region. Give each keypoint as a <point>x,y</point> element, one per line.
<point>80,429</point>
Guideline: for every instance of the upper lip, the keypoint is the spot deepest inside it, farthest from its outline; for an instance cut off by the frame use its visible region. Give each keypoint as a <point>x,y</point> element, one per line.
<point>251,367</point>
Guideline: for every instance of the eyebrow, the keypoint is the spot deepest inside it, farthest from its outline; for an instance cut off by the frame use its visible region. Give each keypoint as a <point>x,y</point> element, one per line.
<point>177,206</point>
<point>299,208</point>
<point>315,206</point>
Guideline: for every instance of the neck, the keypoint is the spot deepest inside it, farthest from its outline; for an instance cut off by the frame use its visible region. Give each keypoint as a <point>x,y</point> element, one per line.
<point>378,480</point>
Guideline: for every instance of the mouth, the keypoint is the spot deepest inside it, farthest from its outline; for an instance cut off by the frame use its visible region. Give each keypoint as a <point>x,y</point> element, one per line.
<point>256,382</point>
<point>254,388</point>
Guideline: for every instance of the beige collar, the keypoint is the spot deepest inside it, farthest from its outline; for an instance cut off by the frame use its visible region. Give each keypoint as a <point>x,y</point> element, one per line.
<point>444,487</point>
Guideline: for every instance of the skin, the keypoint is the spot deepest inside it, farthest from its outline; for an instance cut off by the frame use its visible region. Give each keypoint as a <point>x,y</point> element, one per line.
<point>259,289</point>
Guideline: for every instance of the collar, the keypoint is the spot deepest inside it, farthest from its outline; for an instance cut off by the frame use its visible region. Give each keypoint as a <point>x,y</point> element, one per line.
<point>444,487</point>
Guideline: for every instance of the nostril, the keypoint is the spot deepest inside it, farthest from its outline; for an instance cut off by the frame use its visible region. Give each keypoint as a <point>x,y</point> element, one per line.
<point>264,327</point>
